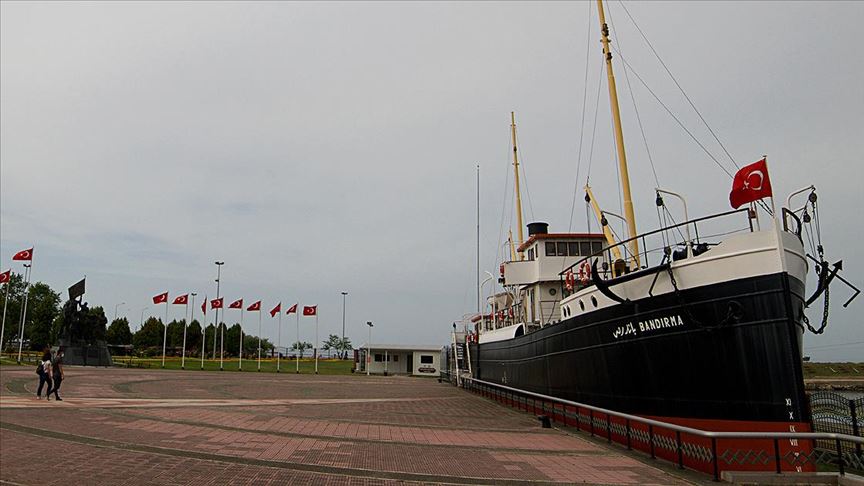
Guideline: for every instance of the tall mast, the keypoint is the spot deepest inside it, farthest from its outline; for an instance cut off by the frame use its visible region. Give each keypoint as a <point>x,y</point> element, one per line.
<point>619,137</point>
<point>518,192</point>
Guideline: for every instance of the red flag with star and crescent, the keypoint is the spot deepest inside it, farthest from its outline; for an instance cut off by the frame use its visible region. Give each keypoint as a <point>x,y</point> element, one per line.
<point>276,309</point>
<point>216,303</point>
<point>161,298</point>
<point>204,306</point>
<point>310,310</point>
<point>292,309</point>
<point>254,307</point>
<point>181,299</point>
<point>751,183</point>
<point>26,255</point>
<point>5,276</point>
<point>237,304</point>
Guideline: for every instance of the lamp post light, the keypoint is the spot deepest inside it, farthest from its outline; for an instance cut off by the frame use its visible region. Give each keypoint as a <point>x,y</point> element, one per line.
<point>115,309</point>
<point>142,316</point>
<point>368,347</point>
<point>344,295</point>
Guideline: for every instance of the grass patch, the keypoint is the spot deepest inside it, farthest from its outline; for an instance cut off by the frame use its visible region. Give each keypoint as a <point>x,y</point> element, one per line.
<point>833,370</point>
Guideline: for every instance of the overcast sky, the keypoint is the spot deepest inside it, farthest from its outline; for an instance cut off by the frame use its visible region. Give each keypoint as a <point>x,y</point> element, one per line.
<point>327,147</point>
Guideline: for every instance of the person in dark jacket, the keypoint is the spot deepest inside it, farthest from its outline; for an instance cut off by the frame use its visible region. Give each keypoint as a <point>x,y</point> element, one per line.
<point>57,371</point>
<point>44,372</point>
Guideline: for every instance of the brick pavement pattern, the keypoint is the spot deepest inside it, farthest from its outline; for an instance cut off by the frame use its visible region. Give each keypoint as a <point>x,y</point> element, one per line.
<point>174,427</point>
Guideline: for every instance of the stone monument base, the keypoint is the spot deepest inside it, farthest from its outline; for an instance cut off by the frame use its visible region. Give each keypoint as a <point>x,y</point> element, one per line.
<point>85,354</point>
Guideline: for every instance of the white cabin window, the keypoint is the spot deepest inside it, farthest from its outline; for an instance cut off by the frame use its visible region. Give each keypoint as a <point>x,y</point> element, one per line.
<point>426,359</point>
<point>551,249</point>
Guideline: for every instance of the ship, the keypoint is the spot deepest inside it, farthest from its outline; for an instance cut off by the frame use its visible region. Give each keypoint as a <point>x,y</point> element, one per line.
<point>698,323</point>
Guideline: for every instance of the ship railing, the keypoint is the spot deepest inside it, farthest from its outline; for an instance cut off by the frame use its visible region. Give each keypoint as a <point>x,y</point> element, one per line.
<point>696,449</point>
<point>658,246</point>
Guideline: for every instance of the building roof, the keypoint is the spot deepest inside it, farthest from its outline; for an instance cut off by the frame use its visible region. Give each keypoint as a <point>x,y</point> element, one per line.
<point>560,236</point>
<point>401,347</point>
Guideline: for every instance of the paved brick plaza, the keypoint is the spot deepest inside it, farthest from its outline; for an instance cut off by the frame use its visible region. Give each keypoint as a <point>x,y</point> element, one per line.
<point>173,427</point>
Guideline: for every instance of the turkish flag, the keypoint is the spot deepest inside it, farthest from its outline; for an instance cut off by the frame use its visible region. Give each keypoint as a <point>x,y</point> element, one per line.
<point>204,306</point>
<point>751,183</point>
<point>310,310</point>
<point>182,299</point>
<point>255,307</point>
<point>161,298</point>
<point>6,276</point>
<point>276,310</point>
<point>292,310</point>
<point>216,303</point>
<point>24,255</point>
<point>237,304</point>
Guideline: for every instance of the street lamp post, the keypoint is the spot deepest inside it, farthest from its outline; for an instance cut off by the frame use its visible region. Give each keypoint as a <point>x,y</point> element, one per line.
<point>216,316</point>
<point>344,295</point>
<point>369,347</point>
<point>115,309</point>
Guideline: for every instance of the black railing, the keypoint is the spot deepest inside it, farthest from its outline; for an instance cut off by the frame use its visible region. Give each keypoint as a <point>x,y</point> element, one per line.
<point>644,254</point>
<point>701,450</point>
<point>835,413</point>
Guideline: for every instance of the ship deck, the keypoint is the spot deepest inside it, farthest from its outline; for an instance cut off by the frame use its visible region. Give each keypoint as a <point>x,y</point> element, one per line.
<point>182,427</point>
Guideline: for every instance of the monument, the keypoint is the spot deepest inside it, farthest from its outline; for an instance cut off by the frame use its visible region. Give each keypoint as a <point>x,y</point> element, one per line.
<point>82,333</point>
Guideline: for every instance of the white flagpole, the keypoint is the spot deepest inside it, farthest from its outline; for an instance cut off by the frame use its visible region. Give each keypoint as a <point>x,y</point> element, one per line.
<point>316,339</point>
<point>240,352</point>
<point>279,340</point>
<point>186,325</point>
<point>299,345</point>
<point>221,344</point>
<point>259,338</point>
<point>29,273</point>
<point>203,337</point>
<point>165,333</point>
<point>5,303</point>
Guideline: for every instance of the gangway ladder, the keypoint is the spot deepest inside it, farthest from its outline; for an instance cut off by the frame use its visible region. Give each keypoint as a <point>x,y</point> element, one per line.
<point>458,357</point>
<point>468,358</point>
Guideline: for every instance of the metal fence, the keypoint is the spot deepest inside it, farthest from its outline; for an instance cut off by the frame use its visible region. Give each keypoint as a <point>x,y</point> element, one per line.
<point>701,450</point>
<point>835,413</point>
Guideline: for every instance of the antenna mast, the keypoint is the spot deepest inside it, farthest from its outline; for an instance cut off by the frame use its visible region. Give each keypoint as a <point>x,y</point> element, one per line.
<point>619,136</point>
<point>518,192</point>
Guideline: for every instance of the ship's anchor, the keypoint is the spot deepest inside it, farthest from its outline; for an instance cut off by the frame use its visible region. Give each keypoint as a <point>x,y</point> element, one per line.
<point>602,287</point>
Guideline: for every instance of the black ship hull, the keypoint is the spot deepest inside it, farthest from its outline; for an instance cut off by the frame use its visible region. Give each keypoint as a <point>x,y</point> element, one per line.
<point>726,352</point>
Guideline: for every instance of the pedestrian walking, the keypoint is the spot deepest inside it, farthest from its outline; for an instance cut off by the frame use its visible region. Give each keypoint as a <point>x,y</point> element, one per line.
<point>57,373</point>
<point>44,372</point>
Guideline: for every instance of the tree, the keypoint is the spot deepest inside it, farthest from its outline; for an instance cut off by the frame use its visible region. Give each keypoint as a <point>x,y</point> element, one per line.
<point>43,306</point>
<point>345,346</point>
<point>333,343</point>
<point>193,336</point>
<point>301,347</point>
<point>175,334</point>
<point>14,306</point>
<point>118,332</point>
<point>150,335</point>
<point>232,340</point>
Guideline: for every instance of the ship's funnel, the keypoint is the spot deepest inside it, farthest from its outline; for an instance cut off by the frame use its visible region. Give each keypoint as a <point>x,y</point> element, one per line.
<point>537,229</point>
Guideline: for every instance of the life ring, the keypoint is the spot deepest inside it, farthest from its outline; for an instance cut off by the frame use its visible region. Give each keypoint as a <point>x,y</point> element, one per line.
<point>570,281</point>
<point>584,272</point>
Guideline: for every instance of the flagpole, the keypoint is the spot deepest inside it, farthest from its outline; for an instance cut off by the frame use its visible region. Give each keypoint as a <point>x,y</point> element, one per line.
<point>5,303</point>
<point>299,345</point>
<point>165,333</point>
<point>240,350</point>
<point>259,338</point>
<point>203,337</point>
<point>221,345</point>
<point>185,326</point>
<point>279,341</point>
<point>316,339</point>
<point>29,273</point>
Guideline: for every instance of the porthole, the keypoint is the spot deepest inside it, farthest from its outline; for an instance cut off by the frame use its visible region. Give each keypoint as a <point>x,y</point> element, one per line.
<point>552,291</point>
<point>594,301</point>
<point>581,305</point>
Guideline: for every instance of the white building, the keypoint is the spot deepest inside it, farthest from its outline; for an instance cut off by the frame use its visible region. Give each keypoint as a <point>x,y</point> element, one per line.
<point>399,359</point>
